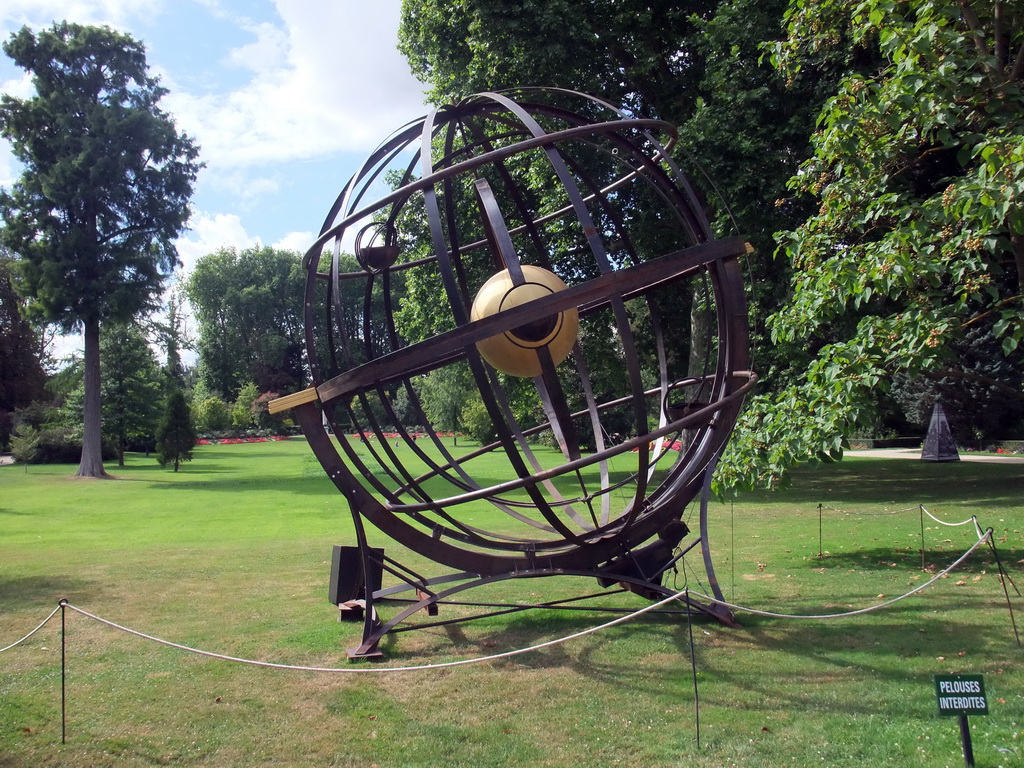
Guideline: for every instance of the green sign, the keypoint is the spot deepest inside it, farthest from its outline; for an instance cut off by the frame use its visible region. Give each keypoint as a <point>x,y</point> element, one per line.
<point>961,694</point>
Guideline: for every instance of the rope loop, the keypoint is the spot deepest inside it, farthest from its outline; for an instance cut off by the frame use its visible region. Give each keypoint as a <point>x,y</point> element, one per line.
<point>683,594</point>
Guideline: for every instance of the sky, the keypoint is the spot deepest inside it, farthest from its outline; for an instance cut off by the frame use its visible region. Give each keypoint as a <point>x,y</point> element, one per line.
<point>284,97</point>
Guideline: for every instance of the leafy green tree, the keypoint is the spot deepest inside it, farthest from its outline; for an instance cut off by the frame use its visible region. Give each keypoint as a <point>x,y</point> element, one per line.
<point>172,336</point>
<point>104,192</point>
<point>131,386</point>
<point>698,65</point>
<point>212,414</point>
<point>25,441</point>
<point>444,393</point>
<point>21,373</point>
<point>243,412</point>
<point>477,421</point>
<point>918,239</point>
<point>249,307</point>
<point>175,436</point>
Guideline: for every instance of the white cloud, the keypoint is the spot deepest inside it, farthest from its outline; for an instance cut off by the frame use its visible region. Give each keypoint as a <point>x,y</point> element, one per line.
<point>41,13</point>
<point>319,84</point>
<point>295,241</point>
<point>18,87</point>
<point>241,184</point>
<point>210,233</point>
<point>10,168</point>
<point>328,80</point>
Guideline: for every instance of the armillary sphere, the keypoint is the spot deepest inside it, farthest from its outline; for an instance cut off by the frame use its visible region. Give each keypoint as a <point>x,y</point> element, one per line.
<point>538,258</point>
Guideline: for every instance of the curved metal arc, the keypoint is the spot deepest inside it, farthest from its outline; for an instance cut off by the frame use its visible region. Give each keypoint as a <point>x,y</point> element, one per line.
<point>597,249</point>
<point>389,149</point>
<point>478,161</point>
<point>664,151</point>
<point>554,554</point>
<point>725,398</point>
<point>698,417</point>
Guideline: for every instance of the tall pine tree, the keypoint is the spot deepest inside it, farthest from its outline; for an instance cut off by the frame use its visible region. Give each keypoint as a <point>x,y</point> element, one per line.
<point>175,437</point>
<point>104,191</point>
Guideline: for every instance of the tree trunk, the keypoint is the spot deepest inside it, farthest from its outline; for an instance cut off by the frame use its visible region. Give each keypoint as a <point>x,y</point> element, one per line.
<point>1018,258</point>
<point>91,464</point>
<point>700,333</point>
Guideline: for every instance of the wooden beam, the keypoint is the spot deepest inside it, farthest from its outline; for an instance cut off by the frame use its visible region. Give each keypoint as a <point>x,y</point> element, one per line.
<point>288,402</point>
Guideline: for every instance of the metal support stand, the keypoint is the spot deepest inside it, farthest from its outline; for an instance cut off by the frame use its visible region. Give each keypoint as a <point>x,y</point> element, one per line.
<point>428,597</point>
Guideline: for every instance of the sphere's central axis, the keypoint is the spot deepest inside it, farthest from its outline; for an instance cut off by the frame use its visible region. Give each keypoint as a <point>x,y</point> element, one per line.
<point>515,351</point>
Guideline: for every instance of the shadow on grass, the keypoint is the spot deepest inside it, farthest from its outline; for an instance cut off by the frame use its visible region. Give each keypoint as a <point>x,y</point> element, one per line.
<point>860,480</point>
<point>826,655</point>
<point>490,636</point>
<point>16,593</point>
<point>141,472</point>
<point>909,559</point>
<point>237,483</point>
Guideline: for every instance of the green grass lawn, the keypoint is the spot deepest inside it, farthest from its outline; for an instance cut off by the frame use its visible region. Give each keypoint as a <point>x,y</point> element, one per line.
<point>232,555</point>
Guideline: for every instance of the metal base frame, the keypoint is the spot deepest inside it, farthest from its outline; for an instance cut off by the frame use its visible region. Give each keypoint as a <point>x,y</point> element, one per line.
<point>429,598</point>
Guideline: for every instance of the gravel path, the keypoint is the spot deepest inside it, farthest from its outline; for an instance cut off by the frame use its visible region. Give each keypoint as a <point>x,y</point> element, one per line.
<point>915,453</point>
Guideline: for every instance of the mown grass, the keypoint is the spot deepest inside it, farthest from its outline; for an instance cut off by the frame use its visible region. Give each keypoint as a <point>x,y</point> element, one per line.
<point>232,555</point>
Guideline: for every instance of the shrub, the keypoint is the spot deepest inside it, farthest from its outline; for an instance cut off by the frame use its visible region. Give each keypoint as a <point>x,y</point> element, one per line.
<point>25,444</point>
<point>243,412</point>
<point>63,445</point>
<point>212,415</point>
<point>477,422</point>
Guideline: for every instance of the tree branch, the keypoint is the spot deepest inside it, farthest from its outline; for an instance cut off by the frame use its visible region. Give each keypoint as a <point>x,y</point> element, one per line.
<point>999,37</point>
<point>975,27</point>
<point>983,315</point>
<point>1017,242</point>
<point>124,230</point>
<point>1018,65</point>
<point>1006,389</point>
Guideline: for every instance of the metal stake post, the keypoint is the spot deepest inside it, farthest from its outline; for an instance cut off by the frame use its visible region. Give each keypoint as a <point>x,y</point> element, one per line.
<point>821,552</point>
<point>63,673</point>
<point>965,740</point>
<point>921,514</point>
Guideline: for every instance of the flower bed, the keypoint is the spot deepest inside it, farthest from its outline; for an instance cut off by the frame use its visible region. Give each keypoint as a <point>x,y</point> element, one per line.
<point>239,440</point>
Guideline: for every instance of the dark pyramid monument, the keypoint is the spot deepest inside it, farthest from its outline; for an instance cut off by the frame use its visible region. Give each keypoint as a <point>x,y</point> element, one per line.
<point>939,444</point>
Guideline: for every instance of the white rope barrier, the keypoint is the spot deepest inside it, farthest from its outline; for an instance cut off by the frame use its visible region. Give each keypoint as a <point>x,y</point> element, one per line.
<point>985,537</point>
<point>869,514</point>
<point>26,637</point>
<point>418,668</point>
<point>685,593</point>
<point>971,519</point>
